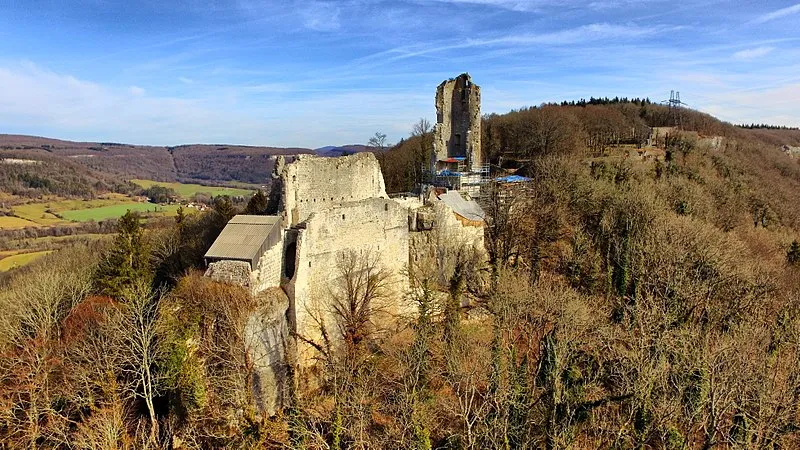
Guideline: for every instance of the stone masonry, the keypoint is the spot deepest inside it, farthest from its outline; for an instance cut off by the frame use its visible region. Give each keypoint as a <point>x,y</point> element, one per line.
<point>457,132</point>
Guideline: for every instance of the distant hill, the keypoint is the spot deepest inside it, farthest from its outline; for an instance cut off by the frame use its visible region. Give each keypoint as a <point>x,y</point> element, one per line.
<point>335,151</point>
<point>98,161</point>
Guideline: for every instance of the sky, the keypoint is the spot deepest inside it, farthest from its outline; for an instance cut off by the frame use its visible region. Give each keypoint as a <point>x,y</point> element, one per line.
<point>310,73</point>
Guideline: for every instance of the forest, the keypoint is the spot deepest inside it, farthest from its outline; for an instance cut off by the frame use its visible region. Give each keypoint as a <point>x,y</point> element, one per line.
<point>633,296</point>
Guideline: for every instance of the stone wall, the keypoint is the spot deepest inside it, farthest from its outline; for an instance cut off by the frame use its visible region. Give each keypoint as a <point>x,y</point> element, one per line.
<point>312,184</point>
<point>268,272</point>
<point>458,121</point>
<point>376,227</point>
<point>230,271</point>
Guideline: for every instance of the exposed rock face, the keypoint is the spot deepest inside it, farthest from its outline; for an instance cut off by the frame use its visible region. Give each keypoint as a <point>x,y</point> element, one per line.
<point>458,122</point>
<point>270,347</point>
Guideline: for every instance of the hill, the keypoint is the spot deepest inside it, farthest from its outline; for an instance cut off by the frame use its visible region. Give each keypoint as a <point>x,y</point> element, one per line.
<point>343,150</point>
<point>103,161</point>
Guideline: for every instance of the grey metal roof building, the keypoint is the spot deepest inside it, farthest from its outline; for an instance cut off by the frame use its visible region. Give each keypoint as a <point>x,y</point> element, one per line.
<point>246,238</point>
<point>468,209</point>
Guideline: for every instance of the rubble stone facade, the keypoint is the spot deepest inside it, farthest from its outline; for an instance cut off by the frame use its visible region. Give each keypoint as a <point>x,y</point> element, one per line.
<point>457,133</point>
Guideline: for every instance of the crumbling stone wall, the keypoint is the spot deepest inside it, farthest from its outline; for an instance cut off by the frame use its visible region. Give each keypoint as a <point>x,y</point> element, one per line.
<point>458,121</point>
<point>378,227</point>
<point>312,184</point>
<point>268,272</point>
<point>230,271</point>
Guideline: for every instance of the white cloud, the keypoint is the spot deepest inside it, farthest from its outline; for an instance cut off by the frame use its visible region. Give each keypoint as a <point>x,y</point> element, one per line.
<point>320,16</point>
<point>39,101</point>
<point>136,91</point>
<point>753,53</point>
<point>186,80</point>
<point>780,13</point>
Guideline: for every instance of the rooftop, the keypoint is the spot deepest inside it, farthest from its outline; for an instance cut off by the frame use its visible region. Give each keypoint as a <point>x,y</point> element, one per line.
<point>243,238</point>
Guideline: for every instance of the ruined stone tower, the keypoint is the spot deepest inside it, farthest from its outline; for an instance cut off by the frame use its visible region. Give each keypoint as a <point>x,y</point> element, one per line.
<point>457,134</point>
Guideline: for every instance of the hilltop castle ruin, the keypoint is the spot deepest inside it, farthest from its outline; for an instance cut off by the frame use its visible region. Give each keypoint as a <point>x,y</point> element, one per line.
<point>330,206</point>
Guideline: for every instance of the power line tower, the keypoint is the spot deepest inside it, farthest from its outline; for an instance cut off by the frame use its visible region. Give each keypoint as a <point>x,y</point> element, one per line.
<point>675,108</point>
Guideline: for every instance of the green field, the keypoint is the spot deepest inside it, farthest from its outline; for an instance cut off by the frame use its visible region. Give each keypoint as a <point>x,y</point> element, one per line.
<point>187,190</point>
<point>44,213</point>
<point>20,260</point>
<point>114,211</point>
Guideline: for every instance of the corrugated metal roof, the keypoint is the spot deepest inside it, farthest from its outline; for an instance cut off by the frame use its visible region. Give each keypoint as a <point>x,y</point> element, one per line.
<point>468,209</point>
<point>243,237</point>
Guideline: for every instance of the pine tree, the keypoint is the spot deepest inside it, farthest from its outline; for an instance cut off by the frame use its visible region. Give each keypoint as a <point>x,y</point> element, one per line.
<point>258,204</point>
<point>224,207</point>
<point>127,261</point>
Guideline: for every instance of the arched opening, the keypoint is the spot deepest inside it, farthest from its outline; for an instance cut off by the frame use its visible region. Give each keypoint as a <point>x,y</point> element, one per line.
<point>290,260</point>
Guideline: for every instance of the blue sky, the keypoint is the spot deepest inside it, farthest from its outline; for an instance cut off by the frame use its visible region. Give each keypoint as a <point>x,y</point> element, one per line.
<point>312,72</point>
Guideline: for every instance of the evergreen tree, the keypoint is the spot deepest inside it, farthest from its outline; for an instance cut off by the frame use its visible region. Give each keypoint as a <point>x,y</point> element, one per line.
<point>793,255</point>
<point>224,207</point>
<point>258,204</point>
<point>127,261</point>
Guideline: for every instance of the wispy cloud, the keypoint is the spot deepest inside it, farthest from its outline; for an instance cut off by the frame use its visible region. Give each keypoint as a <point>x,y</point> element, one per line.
<point>320,16</point>
<point>777,14</point>
<point>514,5</point>
<point>753,53</point>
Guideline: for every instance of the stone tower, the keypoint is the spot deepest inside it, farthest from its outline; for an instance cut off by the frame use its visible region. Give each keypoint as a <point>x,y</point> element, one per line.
<point>457,133</point>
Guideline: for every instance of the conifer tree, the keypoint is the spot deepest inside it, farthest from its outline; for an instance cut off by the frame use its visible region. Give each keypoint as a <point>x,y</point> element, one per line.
<point>793,255</point>
<point>258,204</point>
<point>126,261</point>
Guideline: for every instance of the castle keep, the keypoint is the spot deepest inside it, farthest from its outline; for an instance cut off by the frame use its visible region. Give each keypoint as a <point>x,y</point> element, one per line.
<point>457,161</point>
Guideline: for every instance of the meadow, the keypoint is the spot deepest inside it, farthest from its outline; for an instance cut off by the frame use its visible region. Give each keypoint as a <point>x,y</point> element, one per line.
<point>19,260</point>
<point>12,223</point>
<point>62,212</point>
<point>114,211</point>
<point>187,190</point>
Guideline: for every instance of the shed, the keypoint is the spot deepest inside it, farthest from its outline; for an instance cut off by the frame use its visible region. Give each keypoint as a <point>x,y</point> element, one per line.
<point>246,238</point>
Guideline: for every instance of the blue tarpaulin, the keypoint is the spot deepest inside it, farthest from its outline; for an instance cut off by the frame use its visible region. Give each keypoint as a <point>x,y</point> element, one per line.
<point>513,179</point>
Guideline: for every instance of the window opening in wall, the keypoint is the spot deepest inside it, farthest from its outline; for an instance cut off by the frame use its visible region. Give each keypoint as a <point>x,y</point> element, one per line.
<point>342,216</point>
<point>290,260</point>
<point>309,264</point>
<point>386,207</point>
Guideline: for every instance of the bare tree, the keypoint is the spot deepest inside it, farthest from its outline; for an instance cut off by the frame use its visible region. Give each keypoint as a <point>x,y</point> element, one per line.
<point>378,141</point>
<point>136,328</point>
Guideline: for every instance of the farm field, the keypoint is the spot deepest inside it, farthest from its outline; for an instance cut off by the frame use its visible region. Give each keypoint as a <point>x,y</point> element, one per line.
<point>44,213</point>
<point>19,260</point>
<point>113,211</point>
<point>187,190</point>
<point>12,223</point>
<point>47,213</point>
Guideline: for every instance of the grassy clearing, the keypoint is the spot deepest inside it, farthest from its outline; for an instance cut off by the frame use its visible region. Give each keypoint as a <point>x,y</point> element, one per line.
<point>19,260</point>
<point>187,190</point>
<point>13,223</point>
<point>44,213</point>
<point>113,211</point>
